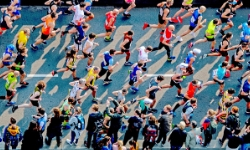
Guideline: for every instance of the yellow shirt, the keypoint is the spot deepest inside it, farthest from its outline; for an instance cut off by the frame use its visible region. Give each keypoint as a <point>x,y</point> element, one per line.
<point>91,73</point>
<point>22,38</point>
<point>189,2</point>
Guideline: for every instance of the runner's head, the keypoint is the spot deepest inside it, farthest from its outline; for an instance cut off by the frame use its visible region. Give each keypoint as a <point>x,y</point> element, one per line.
<point>92,35</point>
<point>169,2</point>
<point>41,85</point>
<point>152,120</point>
<point>10,47</point>
<point>137,113</point>
<point>57,112</point>
<point>235,109</point>
<point>12,120</point>
<point>196,51</point>
<point>149,49</point>
<point>16,73</point>
<point>211,113</point>
<point>160,78</point>
<point>193,101</point>
<point>124,91</point>
<point>244,45</point>
<point>202,9</point>
<point>82,5</point>
<point>70,54</point>
<point>10,9</point>
<point>33,125</point>
<point>95,107</point>
<point>171,27</point>
<point>41,111</point>
<point>215,21</point>
<point>115,12</point>
<point>129,33</point>
<point>228,104</point>
<point>228,36</point>
<point>224,64</point>
<point>54,15</point>
<point>82,81</point>
<point>26,31</point>
<point>112,52</point>
<point>140,64</point>
<point>96,70</point>
<point>193,124</point>
<point>78,110</point>
<point>181,125</point>
<point>167,108</point>
<point>231,91</point>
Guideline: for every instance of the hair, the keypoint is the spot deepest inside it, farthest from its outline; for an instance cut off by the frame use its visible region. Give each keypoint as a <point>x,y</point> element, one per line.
<point>78,110</point>
<point>244,44</point>
<point>235,109</point>
<point>96,68</point>
<point>12,120</point>
<point>112,51</point>
<point>139,64</point>
<point>41,85</point>
<point>53,15</point>
<point>120,144</point>
<point>138,112</point>
<point>9,8</point>
<point>160,78</point>
<point>169,2</point>
<point>32,125</point>
<point>248,22</point>
<point>41,110</point>
<point>22,50</point>
<point>231,91</point>
<point>168,107</point>
<point>181,125</point>
<point>211,112</point>
<point>149,48</point>
<point>153,119</point>
<point>129,33</point>
<point>95,107</point>
<point>193,100</point>
<point>56,112</point>
<point>92,35</point>
<point>228,104</point>
<point>228,35</point>
<point>104,141</point>
<point>70,54</point>
<point>132,143</point>
<point>215,21</point>
<point>144,69</point>
<point>195,81</point>
<point>224,64</point>
<point>237,131</point>
<point>70,99</point>
<point>194,124</point>
<point>81,81</point>
<point>124,90</point>
<point>82,4</point>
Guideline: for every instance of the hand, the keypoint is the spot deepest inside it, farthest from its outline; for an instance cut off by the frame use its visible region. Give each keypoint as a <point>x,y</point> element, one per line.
<point>114,27</point>
<point>117,63</point>
<point>231,16</point>
<point>150,114</point>
<point>243,59</point>
<point>39,98</point>
<point>110,98</point>
<point>96,44</point>
<point>170,45</point>
<point>22,66</point>
<point>149,60</point>
<point>60,13</point>
<point>107,103</point>
<point>205,20</point>
<point>95,87</point>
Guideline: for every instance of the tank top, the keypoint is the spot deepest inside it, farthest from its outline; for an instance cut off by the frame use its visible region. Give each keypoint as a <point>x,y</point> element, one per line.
<point>189,56</point>
<point>245,32</point>
<point>74,90</point>
<point>161,12</point>
<point>127,45</point>
<point>109,16</point>
<point>37,90</point>
<point>210,29</point>
<point>88,8</point>
<point>3,22</point>
<point>229,12</point>
<point>50,5</point>
<point>167,35</point>
<point>9,80</point>
<point>225,97</point>
<point>46,28</point>
<point>246,87</point>
<point>189,2</point>
<point>71,63</point>
<point>221,43</point>
<point>194,18</point>
<point>91,46</point>
<point>91,73</point>
<point>106,59</point>
<point>153,83</point>
<point>236,53</point>
<point>133,73</point>
<point>9,58</point>
<point>191,90</point>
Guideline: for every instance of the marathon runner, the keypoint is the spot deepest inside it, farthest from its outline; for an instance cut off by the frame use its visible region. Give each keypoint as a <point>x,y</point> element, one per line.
<point>186,5</point>
<point>87,8</point>
<point>143,54</point>
<point>8,56</point>
<point>22,39</point>
<point>196,22</point>
<point>236,5</point>
<point>128,5</point>
<point>209,35</point>
<point>35,97</point>
<point>107,65</point>
<point>16,4</point>
<point>190,59</point>
<point>120,94</point>
<point>48,30</point>
<point>245,34</point>
<point>72,3</point>
<point>125,46</point>
<point>75,92</point>
<point>10,87</point>
<point>109,25</point>
<point>162,16</point>
<point>6,20</point>
<point>165,41</point>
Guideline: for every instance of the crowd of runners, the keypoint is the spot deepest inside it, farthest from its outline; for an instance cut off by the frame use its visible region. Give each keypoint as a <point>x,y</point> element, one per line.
<point>103,127</point>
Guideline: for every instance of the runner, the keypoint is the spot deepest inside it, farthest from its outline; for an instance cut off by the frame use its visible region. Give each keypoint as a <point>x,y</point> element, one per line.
<point>245,34</point>
<point>18,65</point>
<point>218,76</point>
<point>72,3</point>
<point>136,77</point>
<point>10,87</point>
<point>92,76</point>
<point>125,46</point>
<point>162,16</point>
<point>87,49</point>
<point>16,4</point>
<point>109,25</point>
<point>209,35</point>
<point>75,92</point>
<point>143,54</point>
<point>48,30</point>
<point>165,41</point>
<point>191,89</point>
<point>35,97</point>
<point>22,39</point>
<point>176,79</point>
<point>223,48</point>
<point>70,64</point>
<point>88,5</point>
<point>196,22</point>
<point>120,94</point>
<point>186,5</point>
<point>244,94</point>
<point>226,17</point>
<point>7,56</point>
<point>236,5</point>
<point>190,59</point>
<point>107,65</point>
<point>128,5</point>
<point>6,20</point>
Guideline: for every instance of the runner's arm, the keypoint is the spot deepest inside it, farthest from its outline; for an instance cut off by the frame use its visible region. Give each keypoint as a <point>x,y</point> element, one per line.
<point>111,67</point>
<point>51,25</point>
<point>221,113</point>
<point>8,22</point>
<point>48,2</point>
<point>160,4</point>
<point>152,88</point>
<point>123,44</point>
<point>240,26</point>
<point>111,22</point>
<point>14,3</point>
<point>5,58</point>
<point>12,85</point>
<point>72,83</point>
<point>191,62</point>
<point>78,95</point>
<point>84,9</point>
<point>33,96</point>
<point>225,13</point>
<point>237,58</point>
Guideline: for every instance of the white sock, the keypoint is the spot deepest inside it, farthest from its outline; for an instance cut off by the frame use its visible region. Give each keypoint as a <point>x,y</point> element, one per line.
<point>126,12</point>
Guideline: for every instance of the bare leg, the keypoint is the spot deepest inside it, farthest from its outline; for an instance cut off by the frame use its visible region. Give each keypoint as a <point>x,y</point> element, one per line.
<point>208,83</point>
<point>200,41</point>
<point>178,13</point>
<point>25,105</point>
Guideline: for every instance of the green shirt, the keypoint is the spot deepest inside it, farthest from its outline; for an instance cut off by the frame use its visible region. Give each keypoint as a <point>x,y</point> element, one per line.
<point>189,2</point>
<point>9,80</point>
<point>210,29</point>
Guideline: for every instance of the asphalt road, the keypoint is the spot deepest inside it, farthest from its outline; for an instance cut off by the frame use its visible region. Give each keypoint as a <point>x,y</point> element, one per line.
<point>51,56</point>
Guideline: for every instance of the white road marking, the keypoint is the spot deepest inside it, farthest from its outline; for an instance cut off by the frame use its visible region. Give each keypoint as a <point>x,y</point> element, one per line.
<point>41,75</point>
<point>14,28</point>
<point>155,75</point>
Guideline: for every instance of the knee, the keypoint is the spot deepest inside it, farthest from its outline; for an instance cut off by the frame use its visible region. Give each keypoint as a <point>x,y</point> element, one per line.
<point>92,16</point>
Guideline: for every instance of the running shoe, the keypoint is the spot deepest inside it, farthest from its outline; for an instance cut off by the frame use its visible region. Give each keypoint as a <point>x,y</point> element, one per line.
<point>134,89</point>
<point>53,73</point>
<point>33,29</point>
<point>179,39</point>
<point>14,108</point>
<point>126,15</point>
<point>204,56</point>
<point>173,20</point>
<point>34,47</point>
<point>221,93</point>
<point>24,83</point>
<point>62,34</point>
<point>183,77</point>
<point>108,40</point>
<point>180,96</point>
<point>180,20</point>
<point>190,45</point>
<point>162,145</point>
<point>240,80</point>
<point>10,103</point>
<point>193,34</point>
<point>133,101</point>
<point>69,142</point>
<point>128,63</point>
<point>218,11</point>
<point>107,81</point>
<point>247,111</point>
<point>44,42</point>
<point>171,58</point>
<point>145,25</point>
<point>222,32</point>
<point>96,99</point>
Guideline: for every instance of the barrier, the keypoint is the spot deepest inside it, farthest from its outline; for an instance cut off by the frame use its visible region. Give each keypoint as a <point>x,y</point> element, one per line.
<point>139,3</point>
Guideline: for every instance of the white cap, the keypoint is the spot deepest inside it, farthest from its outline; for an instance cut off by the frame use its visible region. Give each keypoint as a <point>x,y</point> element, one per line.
<point>183,65</point>
<point>196,51</point>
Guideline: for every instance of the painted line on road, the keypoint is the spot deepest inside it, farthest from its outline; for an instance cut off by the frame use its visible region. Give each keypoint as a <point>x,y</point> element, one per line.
<point>155,75</point>
<point>41,75</point>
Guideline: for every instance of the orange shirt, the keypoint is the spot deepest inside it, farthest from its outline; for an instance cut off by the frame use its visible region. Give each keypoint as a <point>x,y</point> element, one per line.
<point>46,28</point>
<point>191,90</point>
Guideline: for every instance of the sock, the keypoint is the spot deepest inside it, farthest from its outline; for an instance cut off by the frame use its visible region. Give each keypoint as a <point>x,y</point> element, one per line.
<point>107,76</point>
<point>34,45</point>
<point>176,106</point>
<point>126,12</point>
<point>241,78</point>
<point>65,32</point>
<point>148,25</point>
<point>55,72</point>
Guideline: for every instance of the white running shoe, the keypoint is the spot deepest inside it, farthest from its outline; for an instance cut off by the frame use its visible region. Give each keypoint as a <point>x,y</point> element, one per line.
<point>193,34</point>
<point>179,38</point>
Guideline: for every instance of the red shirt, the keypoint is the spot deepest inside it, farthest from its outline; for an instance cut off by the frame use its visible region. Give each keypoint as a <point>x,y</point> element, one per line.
<point>191,90</point>
<point>109,16</point>
<point>167,35</point>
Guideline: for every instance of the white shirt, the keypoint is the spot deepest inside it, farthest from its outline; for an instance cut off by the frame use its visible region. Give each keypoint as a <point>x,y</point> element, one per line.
<point>79,14</point>
<point>91,45</point>
<point>142,54</point>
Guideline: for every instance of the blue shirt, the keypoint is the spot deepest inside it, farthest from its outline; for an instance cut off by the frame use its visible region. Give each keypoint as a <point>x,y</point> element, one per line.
<point>133,73</point>
<point>81,33</point>
<point>221,72</point>
<point>194,18</point>
<point>246,32</point>
<point>246,87</point>
<point>189,56</point>
<point>88,8</point>
<point>107,61</point>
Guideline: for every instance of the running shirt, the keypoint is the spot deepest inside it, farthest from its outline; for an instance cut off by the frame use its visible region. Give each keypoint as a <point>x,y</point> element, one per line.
<point>9,80</point>
<point>107,60</point>
<point>194,18</point>
<point>133,75</point>
<point>109,16</point>
<point>246,87</point>
<point>127,45</point>
<point>151,84</point>
<point>167,35</point>
<point>46,28</point>
<point>143,56</point>
<point>74,90</point>
<point>161,12</point>
<point>19,61</point>
<point>236,53</point>
<point>3,22</point>
<point>9,58</point>
<point>189,56</point>
<point>91,46</point>
<point>79,15</point>
<point>17,5</point>
<point>226,14</point>
<point>245,32</point>
<point>221,72</point>
<point>210,30</point>
<point>189,2</point>
<point>37,90</point>
<point>71,63</point>
<point>191,90</point>
<point>90,74</point>
<point>120,96</point>
<point>22,38</point>
<point>224,98</point>
<point>221,43</point>
<point>88,8</point>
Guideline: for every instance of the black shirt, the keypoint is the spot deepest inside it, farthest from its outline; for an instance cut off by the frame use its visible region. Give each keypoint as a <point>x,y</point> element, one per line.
<point>20,59</point>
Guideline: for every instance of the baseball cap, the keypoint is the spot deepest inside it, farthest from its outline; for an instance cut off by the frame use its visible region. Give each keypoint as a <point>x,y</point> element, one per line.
<point>196,51</point>
<point>11,47</point>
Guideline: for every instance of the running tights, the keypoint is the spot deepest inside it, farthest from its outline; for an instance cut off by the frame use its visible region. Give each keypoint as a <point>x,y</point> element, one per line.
<point>161,45</point>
